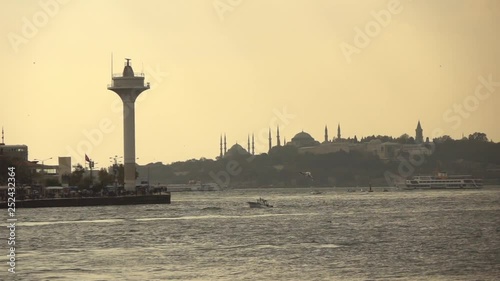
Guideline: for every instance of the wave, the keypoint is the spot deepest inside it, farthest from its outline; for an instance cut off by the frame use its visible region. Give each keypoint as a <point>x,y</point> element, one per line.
<point>223,217</point>
<point>41,223</point>
<point>212,209</point>
<point>310,245</point>
<point>38,223</point>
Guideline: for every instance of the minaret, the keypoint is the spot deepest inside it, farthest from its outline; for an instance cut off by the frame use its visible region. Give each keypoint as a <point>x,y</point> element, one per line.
<point>129,86</point>
<point>419,137</point>
<point>220,155</point>
<point>3,141</point>
<point>326,134</point>
<point>278,136</point>
<point>248,145</point>
<point>253,145</point>
<point>338,132</point>
<point>270,140</point>
<point>225,147</point>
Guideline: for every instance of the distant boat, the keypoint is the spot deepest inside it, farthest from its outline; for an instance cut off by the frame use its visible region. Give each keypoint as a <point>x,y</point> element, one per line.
<point>260,203</point>
<point>443,181</point>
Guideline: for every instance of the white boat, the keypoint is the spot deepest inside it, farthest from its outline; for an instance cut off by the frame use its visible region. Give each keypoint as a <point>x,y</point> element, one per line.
<point>260,203</point>
<point>443,181</point>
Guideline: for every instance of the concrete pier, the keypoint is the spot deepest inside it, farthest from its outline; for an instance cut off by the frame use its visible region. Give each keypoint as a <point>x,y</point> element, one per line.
<point>91,201</point>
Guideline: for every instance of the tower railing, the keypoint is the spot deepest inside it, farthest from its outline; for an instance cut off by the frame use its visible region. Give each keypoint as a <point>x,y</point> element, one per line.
<point>141,74</point>
<point>147,85</point>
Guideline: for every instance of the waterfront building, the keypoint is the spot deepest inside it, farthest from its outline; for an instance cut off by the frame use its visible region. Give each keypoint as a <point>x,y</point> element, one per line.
<point>18,151</point>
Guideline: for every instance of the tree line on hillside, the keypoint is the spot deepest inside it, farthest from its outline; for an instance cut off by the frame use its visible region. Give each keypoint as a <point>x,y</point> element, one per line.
<point>475,155</point>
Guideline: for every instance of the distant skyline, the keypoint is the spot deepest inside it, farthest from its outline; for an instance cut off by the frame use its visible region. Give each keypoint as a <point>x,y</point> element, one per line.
<point>375,67</point>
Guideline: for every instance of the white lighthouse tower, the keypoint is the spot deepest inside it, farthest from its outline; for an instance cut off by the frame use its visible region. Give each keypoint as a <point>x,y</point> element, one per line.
<point>129,86</point>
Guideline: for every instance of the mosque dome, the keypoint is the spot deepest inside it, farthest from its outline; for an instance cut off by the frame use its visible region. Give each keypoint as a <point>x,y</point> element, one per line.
<point>236,149</point>
<point>303,136</point>
<point>303,139</point>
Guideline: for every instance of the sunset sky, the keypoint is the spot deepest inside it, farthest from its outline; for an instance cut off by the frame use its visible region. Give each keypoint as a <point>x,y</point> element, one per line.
<point>240,67</point>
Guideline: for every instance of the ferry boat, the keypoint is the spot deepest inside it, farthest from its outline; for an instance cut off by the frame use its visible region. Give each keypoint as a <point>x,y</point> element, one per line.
<point>443,181</point>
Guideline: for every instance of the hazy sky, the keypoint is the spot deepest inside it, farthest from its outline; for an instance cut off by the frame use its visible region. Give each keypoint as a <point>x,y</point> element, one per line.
<point>240,66</point>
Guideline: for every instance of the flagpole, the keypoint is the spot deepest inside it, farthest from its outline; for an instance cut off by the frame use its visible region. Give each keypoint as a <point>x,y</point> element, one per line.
<point>87,159</point>
<point>111,66</point>
<point>91,181</point>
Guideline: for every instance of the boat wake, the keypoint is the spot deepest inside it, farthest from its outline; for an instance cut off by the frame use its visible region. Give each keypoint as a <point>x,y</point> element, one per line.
<point>41,223</point>
<point>212,209</point>
<point>252,247</point>
<point>224,217</point>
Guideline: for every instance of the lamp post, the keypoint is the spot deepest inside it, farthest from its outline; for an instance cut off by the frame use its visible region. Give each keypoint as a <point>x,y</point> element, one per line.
<point>114,160</point>
<point>43,171</point>
<point>91,165</point>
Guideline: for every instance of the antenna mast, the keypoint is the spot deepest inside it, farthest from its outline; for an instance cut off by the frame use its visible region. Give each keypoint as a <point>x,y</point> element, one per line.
<point>111,65</point>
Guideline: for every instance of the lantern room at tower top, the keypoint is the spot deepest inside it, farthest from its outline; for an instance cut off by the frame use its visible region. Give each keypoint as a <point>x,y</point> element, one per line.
<point>128,79</point>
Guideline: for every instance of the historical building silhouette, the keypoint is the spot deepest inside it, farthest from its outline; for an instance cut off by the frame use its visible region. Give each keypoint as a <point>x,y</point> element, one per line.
<point>419,138</point>
<point>307,144</point>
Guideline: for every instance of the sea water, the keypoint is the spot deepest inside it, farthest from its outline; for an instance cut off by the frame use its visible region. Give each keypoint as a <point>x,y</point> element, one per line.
<point>333,235</point>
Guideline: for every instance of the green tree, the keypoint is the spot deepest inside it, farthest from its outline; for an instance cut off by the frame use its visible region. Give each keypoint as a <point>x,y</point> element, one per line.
<point>404,139</point>
<point>85,183</point>
<point>77,175</point>
<point>444,138</point>
<point>477,136</point>
<point>105,178</point>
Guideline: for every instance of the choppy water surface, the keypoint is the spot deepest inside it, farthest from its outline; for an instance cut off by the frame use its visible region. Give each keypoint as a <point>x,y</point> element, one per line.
<point>336,235</point>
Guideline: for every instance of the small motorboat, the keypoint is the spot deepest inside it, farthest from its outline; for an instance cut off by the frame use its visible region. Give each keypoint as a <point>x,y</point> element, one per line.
<point>260,203</point>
